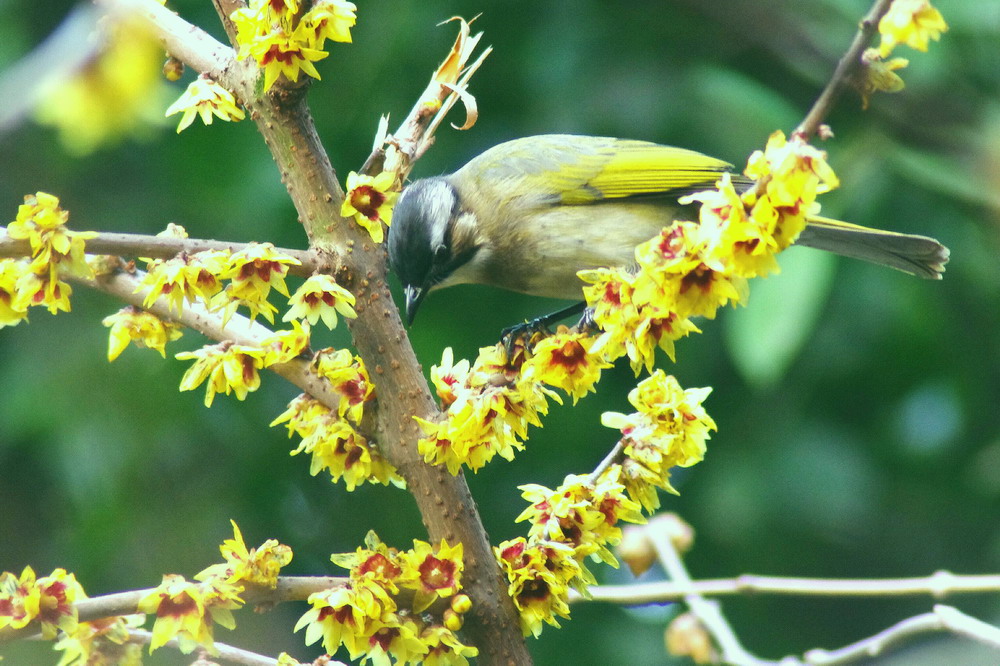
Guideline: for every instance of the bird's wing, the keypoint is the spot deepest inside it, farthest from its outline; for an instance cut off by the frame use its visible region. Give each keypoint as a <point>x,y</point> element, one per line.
<point>570,169</point>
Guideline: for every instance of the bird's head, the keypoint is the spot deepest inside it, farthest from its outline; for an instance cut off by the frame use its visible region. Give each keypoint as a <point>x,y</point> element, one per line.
<point>431,236</point>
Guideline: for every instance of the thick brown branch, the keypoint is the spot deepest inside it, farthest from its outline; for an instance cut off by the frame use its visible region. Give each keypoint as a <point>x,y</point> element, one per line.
<point>445,502</point>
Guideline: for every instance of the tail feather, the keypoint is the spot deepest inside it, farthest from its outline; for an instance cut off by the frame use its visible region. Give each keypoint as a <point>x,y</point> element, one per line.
<point>916,255</point>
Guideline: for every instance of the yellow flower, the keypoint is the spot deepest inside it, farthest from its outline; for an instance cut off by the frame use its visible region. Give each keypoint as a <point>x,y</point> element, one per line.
<point>259,266</point>
<point>104,641</point>
<point>190,278</point>
<point>130,324</point>
<point>11,271</point>
<point>348,376</point>
<point>581,514</point>
<point>32,289</point>
<point>670,428</point>
<point>370,200</point>
<point>376,561</point>
<point>449,378</point>
<point>253,271</point>
<point>205,98</point>
<point>58,593</point>
<point>538,573</point>
<point>330,19</point>
<point>910,22</point>
<point>879,74</point>
<point>267,32</point>
<point>564,360</point>
<point>284,346</point>
<point>19,599</point>
<point>257,566</point>
<point>320,297</point>
<point>346,615</point>
<point>54,247</point>
<point>432,572</point>
<point>186,611</point>
<point>227,368</point>
<point>444,648</point>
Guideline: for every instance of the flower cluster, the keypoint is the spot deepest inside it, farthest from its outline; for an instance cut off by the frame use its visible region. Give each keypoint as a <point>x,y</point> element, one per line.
<point>55,253</point>
<point>488,410</point>
<point>205,98</point>
<point>51,601</point>
<point>581,513</point>
<point>198,277</point>
<point>368,615</point>
<point>187,611</point>
<point>252,272</point>
<point>285,40</point>
<point>540,574</point>
<point>691,269</point>
<point>669,429</point>
<point>331,436</point>
<point>577,520</point>
<point>369,200</point>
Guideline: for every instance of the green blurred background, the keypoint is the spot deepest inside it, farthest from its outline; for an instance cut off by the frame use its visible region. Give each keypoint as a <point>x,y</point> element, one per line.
<point>857,407</point>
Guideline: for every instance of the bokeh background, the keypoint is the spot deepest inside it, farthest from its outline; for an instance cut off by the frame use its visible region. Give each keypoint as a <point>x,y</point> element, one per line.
<point>857,407</point>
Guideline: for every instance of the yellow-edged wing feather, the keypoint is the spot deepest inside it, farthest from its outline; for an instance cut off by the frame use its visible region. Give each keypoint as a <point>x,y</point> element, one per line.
<point>636,168</point>
<point>569,169</point>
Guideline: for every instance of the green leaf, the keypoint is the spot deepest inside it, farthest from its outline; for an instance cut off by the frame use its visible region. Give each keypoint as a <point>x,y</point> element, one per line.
<point>765,337</point>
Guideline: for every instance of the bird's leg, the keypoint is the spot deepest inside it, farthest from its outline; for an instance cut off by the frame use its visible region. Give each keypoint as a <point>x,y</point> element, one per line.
<point>527,330</point>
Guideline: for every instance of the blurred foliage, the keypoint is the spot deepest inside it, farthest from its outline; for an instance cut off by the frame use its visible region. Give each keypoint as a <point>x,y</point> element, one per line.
<point>857,407</point>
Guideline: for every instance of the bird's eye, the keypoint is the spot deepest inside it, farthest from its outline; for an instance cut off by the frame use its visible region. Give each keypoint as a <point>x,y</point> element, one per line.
<point>441,254</point>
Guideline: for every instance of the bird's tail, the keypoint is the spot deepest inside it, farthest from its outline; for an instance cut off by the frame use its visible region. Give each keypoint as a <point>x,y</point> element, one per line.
<point>916,255</point>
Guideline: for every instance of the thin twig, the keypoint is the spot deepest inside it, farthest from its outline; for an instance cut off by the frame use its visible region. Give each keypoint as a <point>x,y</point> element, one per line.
<point>708,612</point>
<point>846,68</point>
<point>614,455</point>
<point>938,585</point>
<point>944,618</point>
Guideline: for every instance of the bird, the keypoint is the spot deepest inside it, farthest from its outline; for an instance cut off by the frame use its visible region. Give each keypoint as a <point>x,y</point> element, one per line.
<point>528,214</point>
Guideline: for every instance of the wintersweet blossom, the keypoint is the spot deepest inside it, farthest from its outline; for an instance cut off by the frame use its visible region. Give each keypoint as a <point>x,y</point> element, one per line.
<point>187,611</point>
<point>205,98</point>
<point>285,41</point>
<point>910,22</point>
<point>142,328</point>
<point>369,200</point>
<point>320,297</point>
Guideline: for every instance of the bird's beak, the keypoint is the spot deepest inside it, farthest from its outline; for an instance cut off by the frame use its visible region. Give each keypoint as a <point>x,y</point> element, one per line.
<point>414,295</point>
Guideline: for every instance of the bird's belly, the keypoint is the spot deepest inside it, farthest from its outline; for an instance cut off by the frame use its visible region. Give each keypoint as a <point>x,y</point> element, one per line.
<point>543,259</point>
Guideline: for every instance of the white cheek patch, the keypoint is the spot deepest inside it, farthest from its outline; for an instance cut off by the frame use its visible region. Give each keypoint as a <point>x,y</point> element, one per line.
<point>438,199</point>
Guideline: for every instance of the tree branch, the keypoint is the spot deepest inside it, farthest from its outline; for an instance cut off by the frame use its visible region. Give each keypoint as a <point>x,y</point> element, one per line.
<point>708,612</point>
<point>846,68</point>
<point>938,585</point>
<point>157,247</point>
<point>944,618</point>
<point>445,503</point>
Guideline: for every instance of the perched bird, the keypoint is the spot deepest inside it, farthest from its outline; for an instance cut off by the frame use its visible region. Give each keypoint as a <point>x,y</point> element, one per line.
<point>526,215</point>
